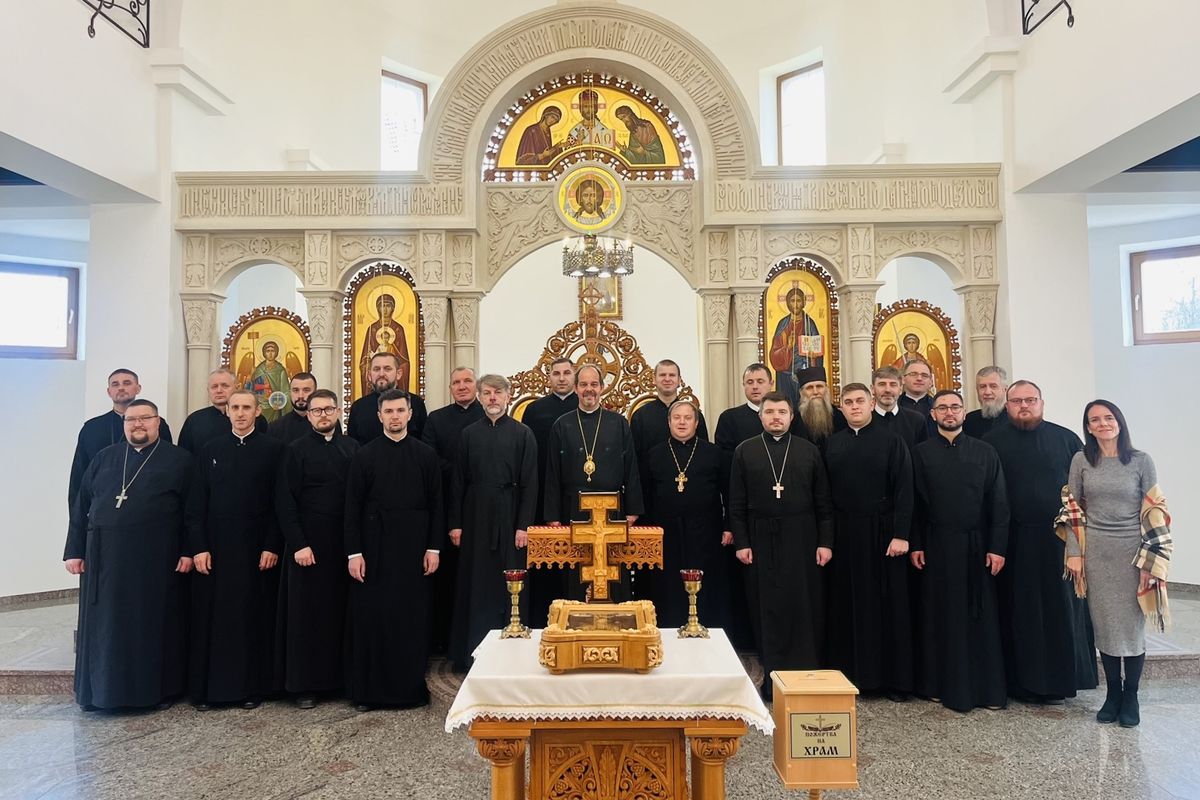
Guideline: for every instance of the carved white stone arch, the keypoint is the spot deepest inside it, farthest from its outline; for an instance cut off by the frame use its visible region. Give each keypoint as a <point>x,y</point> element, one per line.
<point>641,45</point>
<point>834,269</point>
<point>233,255</point>
<point>945,246</point>
<point>353,250</point>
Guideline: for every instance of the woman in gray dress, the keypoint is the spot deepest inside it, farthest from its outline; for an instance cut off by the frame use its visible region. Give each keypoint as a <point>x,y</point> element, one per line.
<point>1109,479</point>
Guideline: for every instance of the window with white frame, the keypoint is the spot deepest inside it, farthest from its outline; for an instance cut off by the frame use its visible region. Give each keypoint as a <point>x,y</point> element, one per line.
<point>1165,293</point>
<point>39,311</point>
<point>403,102</point>
<point>800,107</point>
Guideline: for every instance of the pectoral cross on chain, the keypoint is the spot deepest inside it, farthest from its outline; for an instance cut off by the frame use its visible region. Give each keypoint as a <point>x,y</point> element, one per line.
<point>778,487</point>
<point>121,498</point>
<point>680,480</point>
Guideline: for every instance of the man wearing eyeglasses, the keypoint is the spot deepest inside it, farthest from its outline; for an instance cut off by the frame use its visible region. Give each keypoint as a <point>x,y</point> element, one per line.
<point>1047,638</point>
<point>311,501</point>
<point>126,542</point>
<point>959,541</point>
<point>295,425</point>
<point>108,428</point>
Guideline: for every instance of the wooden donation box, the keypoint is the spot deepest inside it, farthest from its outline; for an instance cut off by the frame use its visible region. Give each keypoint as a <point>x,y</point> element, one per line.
<point>596,634</point>
<point>816,743</point>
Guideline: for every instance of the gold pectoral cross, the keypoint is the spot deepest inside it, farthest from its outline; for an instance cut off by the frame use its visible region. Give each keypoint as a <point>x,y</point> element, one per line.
<point>778,487</point>
<point>680,480</point>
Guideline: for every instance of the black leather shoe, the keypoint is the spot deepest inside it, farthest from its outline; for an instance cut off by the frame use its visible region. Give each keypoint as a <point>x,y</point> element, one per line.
<point>361,707</point>
<point>1131,712</point>
<point>1112,707</point>
<point>201,706</point>
<point>251,703</point>
<point>306,701</point>
<point>898,697</point>
<point>165,704</point>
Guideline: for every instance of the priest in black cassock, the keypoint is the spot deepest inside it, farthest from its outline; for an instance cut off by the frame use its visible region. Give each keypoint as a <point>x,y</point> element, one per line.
<point>202,426</point>
<point>107,429</point>
<point>492,497</point>
<point>782,521</point>
<point>126,541</point>
<point>443,431</point>
<point>737,424</point>
<point>918,381</point>
<point>311,498</point>
<point>547,585</point>
<point>649,423</point>
<point>295,424</point>
<point>590,450</point>
<point>1046,631</point>
<point>394,530</point>
<point>959,541</point>
<point>363,424</point>
<point>904,422</point>
<point>685,484</point>
<point>236,538</point>
<point>991,386</point>
<point>870,480</point>
<point>815,418</point>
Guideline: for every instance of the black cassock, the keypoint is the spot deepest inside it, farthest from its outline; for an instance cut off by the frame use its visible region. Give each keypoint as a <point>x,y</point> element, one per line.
<point>616,471</point>
<point>784,586</point>
<point>363,425</point>
<point>492,495</point>
<point>979,426</point>
<point>293,426</point>
<point>132,645</point>
<point>95,435</point>
<point>202,426</point>
<point>394,513</point>
<point>545,585</point>
<point>311,498</point>
<point>650,428</point>
<point>922,408</point>
<point>692,521</point>
<point>443,431</point>
<point>800,429</point>
<point>734,426</point>
<point>234,606</point>
<point>961,515</point>
<point>905,423</point>
<point>870,623</point>
<point>1046,630</point>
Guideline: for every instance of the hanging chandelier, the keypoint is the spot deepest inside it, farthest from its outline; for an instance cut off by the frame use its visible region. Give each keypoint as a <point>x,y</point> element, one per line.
<point>593,258</point>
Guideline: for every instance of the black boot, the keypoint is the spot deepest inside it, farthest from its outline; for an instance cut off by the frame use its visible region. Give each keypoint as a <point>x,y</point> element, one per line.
<point>1130,714</point>
<point>1112,678</point>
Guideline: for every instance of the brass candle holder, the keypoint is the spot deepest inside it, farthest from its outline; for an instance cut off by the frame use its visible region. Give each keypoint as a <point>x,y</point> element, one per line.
<point>515,578</point>
<point>691,582</point>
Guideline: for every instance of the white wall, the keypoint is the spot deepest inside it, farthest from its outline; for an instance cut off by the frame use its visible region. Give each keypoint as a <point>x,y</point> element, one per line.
<point>533,300</point>
<point>920,279</point>
<point>261,285</point>
<point>1155,385</point>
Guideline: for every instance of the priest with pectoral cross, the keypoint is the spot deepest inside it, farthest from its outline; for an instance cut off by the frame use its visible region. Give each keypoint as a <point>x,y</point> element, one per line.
<point>781,516</point>
<point>590,450</point>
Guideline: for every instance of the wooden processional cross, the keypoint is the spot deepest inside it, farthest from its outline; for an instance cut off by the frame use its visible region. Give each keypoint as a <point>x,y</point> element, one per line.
<point>601,545</point>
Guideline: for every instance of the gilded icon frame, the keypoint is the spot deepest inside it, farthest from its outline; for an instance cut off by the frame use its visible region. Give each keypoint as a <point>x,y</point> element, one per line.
<point>363,321</point>
<point>244,344</point>
<point>937,340</point>
<point>820,306</point>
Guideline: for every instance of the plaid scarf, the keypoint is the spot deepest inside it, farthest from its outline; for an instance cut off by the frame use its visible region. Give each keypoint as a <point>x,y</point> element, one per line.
<point>1154,556</point>
<point>1072,522</point>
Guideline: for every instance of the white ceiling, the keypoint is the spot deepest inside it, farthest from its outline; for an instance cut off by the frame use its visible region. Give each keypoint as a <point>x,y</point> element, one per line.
<point>73,230</point>
<point>1107,216</point>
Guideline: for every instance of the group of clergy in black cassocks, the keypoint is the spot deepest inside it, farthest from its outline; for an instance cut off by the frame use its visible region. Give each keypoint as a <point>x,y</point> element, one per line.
<point>250,561</point>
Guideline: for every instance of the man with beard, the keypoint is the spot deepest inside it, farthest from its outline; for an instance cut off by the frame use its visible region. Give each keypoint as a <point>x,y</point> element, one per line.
<point>202,426</point>
<point>394,531</point>
<point>959,540</point>
<point>297,425</point>
<point>383,370</point>
<point>870,481</point>
<point>737,424</point>
<point>108,428</point>
<point>443,432</point>
<point>685,483</point>
<point>649,423</point>
<point>591,450</point>
<point>781,517</point>
<point>816,418</point>
<point>904,422</point>
<point>492,494</point>
<point>547,585</point>
<point>236,540</point>
<point>918,380</point>
<point>1046,632</point>
<point>991,383</point>
<point>126,542</point>
<point>311,498</point>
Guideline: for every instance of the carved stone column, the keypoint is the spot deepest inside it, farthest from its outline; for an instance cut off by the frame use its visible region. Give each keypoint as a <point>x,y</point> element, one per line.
<point>709,754</point>
<point>747,305</point>
<point>508,766</point>
<point>437,348</point>
<point>979,303</point>
<point>464,311</point>
<point>858,318</point>
<point>324,318</point>
<point>718,368</point>
<point>200,325</point>
<point>317,274</point>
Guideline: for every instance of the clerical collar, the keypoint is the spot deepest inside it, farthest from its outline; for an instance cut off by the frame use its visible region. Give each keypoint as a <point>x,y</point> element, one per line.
<point>467,407</point>
<point>242,439</point>
<point>399,438</point>
<point>756,408</point>
<point>495,421</point>
<point>563,396</point>
<point>894,411</point>
<point>778,438</point>
<point>685,442</point>
<point>326,436</point>
<point>916,399</point>
<point>583,410</point>
<point>860,429</point>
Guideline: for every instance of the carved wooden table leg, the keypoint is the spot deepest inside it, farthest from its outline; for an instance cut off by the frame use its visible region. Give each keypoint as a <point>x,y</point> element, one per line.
<point>508,766</point>
<point>709,754</point>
